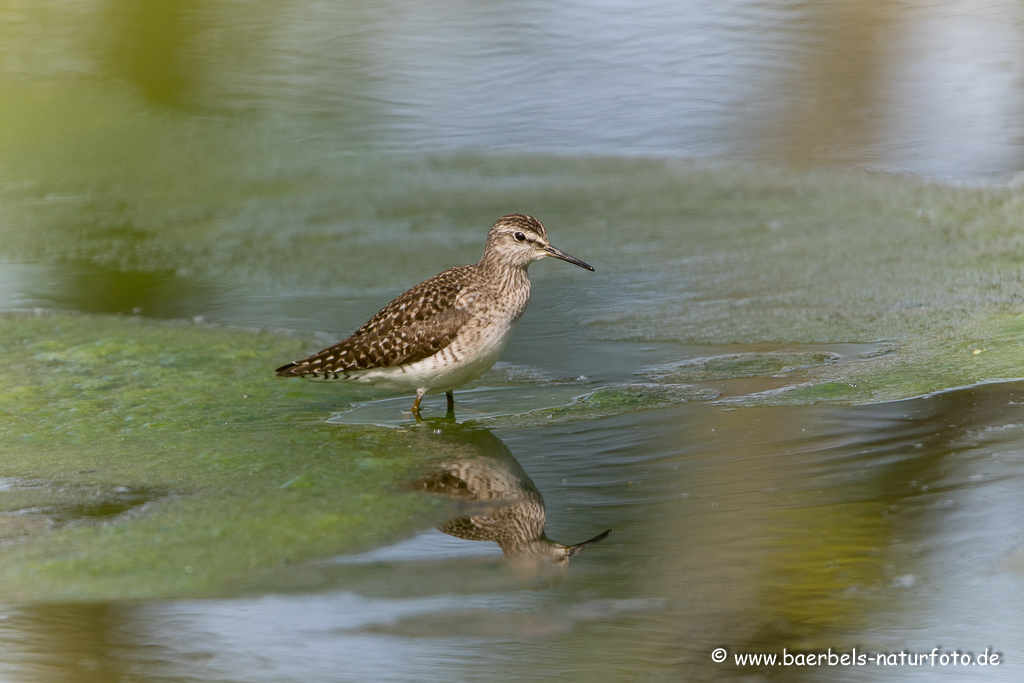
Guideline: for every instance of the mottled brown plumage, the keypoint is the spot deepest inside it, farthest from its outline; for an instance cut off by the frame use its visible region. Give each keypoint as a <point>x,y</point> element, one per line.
<point>447,330</point>
<point>415,326</point>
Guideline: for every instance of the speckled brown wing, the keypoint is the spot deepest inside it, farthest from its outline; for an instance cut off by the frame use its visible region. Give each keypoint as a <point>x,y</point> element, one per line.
<point>414,326</point>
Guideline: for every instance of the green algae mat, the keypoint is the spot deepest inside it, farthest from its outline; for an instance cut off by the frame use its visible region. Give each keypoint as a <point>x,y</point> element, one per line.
<point>153,459</point>
<point>149,459</point>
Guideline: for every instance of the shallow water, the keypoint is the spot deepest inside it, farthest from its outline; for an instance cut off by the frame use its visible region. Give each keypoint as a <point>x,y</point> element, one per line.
<point>887,527</point>
<point>756,391</point>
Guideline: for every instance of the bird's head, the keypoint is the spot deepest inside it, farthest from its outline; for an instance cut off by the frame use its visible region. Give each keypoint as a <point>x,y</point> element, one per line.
<point>519,240</point>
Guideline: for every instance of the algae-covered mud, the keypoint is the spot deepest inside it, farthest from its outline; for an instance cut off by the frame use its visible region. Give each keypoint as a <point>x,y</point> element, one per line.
<point>728,393</point>
<point>149,459</point>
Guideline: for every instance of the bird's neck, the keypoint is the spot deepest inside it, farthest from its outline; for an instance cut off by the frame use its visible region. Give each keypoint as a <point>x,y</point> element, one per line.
<point>509,275</point>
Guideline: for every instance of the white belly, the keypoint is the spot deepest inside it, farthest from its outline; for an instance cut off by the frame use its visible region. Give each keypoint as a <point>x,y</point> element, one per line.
<point>472,353</point>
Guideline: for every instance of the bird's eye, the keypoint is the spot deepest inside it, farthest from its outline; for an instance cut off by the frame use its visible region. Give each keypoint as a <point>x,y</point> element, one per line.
<point>520,237</point>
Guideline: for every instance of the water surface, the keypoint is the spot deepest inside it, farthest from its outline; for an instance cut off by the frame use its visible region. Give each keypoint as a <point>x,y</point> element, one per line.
<point>885,527</point>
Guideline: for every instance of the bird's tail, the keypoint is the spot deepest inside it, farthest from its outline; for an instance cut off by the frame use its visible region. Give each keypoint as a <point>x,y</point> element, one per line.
<point>290,370</point>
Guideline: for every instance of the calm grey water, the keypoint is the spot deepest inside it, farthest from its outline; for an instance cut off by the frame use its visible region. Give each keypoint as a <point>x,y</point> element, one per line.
<point>933,88</point>
<point>885,527</point>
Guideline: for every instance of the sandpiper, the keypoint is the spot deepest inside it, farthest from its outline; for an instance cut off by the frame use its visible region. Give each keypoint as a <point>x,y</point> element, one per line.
<point>445,331</point>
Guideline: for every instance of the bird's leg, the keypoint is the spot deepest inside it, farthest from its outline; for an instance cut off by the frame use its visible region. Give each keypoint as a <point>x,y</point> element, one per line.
<point>416,404</point>
<point>451,404</point>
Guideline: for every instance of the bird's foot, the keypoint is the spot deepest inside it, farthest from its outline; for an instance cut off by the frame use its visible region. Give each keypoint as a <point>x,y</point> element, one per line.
<point>416,405</point>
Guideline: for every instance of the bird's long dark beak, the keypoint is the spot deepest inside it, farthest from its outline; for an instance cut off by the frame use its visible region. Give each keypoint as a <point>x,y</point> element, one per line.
<point>574,550</point>
<point>558,253</point>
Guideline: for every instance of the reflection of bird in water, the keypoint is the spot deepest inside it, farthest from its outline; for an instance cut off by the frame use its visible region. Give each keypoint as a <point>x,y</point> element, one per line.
<point>500,503</point>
